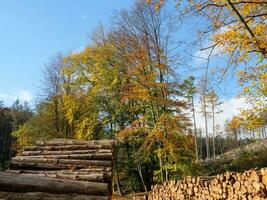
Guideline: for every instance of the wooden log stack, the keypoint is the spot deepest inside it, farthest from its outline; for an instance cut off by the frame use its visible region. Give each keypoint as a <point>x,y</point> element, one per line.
<point>250,185</point>
<point>67,169</point>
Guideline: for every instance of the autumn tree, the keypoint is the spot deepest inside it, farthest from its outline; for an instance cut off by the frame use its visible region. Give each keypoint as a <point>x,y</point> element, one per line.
<point>150,86</point>
<point>52,92</point>
<point>122,85</point>
<point>235,126</point>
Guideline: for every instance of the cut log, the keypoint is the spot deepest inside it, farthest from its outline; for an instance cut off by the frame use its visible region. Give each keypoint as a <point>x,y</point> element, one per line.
<point>72,176</point>
<point>23,183</point>
<point>84,170</point>
<point>67,172</point>
<point>43,166</point>
<point>51,166</point>
<point>66,147</point>
<point>33,153</point>
<point>92,156</point>
<point>96,168</point>
<point>59,142</point>
<point>25,160</point>
<point>45,196</point>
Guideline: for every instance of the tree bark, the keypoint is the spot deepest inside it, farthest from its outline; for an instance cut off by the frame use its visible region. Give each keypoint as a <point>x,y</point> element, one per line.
<point>25,160</point>
<point>213,131</point>
<point>66,152</point>
<point>139,168</point>
<point>25,183</point>
<point>65,147</point>
<point>195,128</point>
<point>92,177</point>
<point>45,196</point>
<point>206,127</point>
<point>93,156</point>
<point>60,141</point>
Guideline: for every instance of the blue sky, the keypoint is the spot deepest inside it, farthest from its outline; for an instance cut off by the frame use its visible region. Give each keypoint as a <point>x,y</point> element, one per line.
<point>34,30</point>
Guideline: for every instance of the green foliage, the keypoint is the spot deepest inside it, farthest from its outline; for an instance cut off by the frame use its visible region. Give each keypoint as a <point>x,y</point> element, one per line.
<point>6,127</point>
<point>10,120</point>
<point>39,126</point>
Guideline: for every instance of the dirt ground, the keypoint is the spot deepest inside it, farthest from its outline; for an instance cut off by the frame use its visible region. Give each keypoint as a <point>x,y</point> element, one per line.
<point>138,196</point>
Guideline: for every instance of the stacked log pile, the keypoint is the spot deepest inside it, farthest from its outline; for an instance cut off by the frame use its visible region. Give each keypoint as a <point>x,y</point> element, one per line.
<point>82,169</point>
<point>250,185</point>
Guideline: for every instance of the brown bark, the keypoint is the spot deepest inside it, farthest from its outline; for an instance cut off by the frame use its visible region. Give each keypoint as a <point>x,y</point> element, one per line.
<point>25,160</point>
<point>66,152</point>
<point>67,147</point>
<point>91,156</point>
<point>103,172</point>
<point>45,196</point>
<point>59,141</point>
<point>25,183</point>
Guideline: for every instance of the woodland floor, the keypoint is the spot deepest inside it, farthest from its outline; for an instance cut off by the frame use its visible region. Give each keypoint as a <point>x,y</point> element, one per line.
<point>136,196</point>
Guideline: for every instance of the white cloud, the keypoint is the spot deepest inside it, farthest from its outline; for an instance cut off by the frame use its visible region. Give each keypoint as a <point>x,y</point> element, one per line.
<point>4,96</point>
<point>21,94</point>
<point>229,108</point>
<point>7,97</point>
<point>24,95</point>
<point>200,56</point>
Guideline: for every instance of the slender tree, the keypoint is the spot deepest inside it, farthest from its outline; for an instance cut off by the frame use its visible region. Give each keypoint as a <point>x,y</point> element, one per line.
<point>190,91</point>
<point>204,110</point>
<point>214,103</point>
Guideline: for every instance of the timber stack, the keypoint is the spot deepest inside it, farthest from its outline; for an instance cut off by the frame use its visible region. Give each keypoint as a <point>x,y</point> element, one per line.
<point>62,169</point>
<point>250,185</point>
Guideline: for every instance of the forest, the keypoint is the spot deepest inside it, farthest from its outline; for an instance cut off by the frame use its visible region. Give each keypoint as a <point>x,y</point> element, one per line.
<point>133,82</point>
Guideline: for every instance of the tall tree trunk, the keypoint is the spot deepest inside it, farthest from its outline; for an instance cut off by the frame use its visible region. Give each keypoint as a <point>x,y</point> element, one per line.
<point>118,185</point>
<point>195,128</point>
<point>206,127</point>
<point>166,170</point>
<point>213,131</point>
<point>161,169</point>
<point>139,168</point>
<point>56,112</point>
<point>220,143</point>
<point>200,144</point>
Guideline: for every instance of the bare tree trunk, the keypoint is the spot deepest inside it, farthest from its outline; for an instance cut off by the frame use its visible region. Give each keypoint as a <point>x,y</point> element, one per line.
<point>220,143</point>
<point>118,185</point>
<point>213,131</point>
<point>166,171</point>
<point>161,170</point>
<point>195,128</point>
<point>141,175</point>
<point>206,127</point>
<point>56,112</point>
<point>200,143</point>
